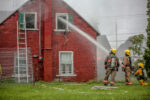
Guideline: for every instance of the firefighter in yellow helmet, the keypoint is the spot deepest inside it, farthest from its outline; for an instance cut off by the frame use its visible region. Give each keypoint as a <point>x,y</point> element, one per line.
<point>127,67</point>
<point>111,65</point>
<point>140,74</point>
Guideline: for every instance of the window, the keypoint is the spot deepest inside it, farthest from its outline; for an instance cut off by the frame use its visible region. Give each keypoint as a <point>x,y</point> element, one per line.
<point>60,26</point>
<point>22,66</point>
<point>30,18</point>
<point>66,63</point>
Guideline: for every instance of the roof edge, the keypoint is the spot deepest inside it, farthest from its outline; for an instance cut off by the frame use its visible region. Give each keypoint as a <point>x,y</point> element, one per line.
<point>13,12</point>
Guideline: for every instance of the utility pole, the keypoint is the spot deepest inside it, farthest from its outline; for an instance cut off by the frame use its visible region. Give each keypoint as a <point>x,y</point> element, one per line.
<point>116,36</point>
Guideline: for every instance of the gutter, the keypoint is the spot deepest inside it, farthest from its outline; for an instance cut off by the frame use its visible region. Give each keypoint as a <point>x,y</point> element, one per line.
<point>40,12</point>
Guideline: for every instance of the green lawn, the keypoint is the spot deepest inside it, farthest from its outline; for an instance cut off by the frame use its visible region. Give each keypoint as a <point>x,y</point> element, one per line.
<point>72,91</point>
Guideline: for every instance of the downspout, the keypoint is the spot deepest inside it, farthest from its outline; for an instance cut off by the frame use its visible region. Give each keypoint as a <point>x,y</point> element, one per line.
<point>40,10</point>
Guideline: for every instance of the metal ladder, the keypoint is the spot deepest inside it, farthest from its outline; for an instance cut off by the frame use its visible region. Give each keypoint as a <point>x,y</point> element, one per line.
<point>22,55</point>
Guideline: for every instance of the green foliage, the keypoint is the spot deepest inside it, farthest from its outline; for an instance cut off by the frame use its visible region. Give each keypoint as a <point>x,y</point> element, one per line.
<point>148,40</point>
<point>137,41</point>
<point>147,50</point>
<point>147,60</point>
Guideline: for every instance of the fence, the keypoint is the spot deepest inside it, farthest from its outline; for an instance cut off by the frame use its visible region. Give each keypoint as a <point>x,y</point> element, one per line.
<point>8,63</point>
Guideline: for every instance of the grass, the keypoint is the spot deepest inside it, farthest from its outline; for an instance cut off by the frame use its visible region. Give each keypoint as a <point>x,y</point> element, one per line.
<point>72,91</point>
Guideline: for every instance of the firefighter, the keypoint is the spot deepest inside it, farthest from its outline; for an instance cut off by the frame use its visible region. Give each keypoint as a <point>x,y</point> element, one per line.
<point>127,67</point>
<point>111,65</point>
<point>140,74</point>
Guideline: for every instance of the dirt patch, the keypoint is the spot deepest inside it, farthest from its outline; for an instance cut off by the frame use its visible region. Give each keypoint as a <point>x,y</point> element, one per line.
<point>103,88</point>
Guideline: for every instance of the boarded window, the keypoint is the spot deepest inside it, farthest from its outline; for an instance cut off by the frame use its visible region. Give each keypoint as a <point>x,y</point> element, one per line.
<point>30,20</point>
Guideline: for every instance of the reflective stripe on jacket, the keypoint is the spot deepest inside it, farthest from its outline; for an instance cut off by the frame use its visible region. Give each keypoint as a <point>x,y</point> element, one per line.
<point>108,61</point>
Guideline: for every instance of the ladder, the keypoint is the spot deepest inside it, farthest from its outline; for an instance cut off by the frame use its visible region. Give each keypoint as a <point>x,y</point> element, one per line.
<point>21,69</point>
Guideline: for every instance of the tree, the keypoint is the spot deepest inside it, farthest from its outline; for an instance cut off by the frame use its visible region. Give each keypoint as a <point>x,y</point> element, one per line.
<point>137,42</point>
<point>147,50</point>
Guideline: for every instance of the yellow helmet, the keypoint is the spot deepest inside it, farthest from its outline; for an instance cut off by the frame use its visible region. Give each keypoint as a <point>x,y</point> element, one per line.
<point>113,51</point>
<point>127,52</point>
<point>141,65</point>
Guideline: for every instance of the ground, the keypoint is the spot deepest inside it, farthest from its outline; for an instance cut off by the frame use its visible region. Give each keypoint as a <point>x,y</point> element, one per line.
<point>72,91</point>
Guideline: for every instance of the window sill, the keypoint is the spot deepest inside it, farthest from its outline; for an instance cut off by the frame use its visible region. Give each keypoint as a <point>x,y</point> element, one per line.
<point>58,31</point>
<point>66,75</point>
<point>30,29</point>
<point>21,75</point>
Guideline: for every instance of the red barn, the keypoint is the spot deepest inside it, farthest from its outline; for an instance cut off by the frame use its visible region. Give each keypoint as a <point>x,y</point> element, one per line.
<point>56,50</point>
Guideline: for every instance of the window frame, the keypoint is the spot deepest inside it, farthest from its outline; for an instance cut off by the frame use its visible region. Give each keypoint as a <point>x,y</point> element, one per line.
<point>35,20</point>
<point>72,66</point>
<point>56,20</point>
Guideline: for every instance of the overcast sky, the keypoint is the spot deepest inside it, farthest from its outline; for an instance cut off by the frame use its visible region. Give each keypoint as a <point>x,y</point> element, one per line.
<point>10,5</point>
<point>126,17</point>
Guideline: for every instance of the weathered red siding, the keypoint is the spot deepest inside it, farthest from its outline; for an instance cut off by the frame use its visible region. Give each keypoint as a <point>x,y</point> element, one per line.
<point>84,51</point>
<point>8,36</point>
<point>52,43</point>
